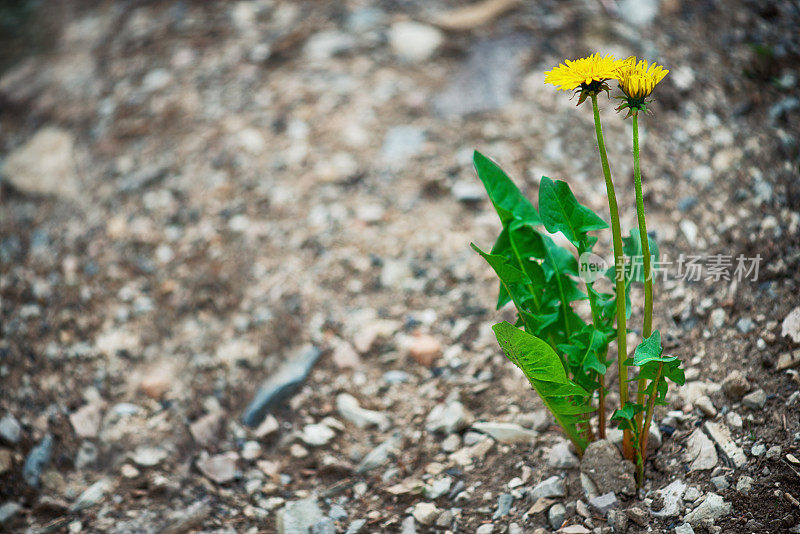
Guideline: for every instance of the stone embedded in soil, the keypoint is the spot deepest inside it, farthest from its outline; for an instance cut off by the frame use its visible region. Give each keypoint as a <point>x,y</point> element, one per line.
<point>448,417</point>
<point>379,455</point>
<point>745,325</point>
<point>604,503</point>
<point>205,429</point>
<point>37,460</point>
<point>317,434</point>
<point>86,420</point>
<point>556,515</point>
<point>735,384</point>
<point>560,456</point>
<point>345,356</point>
<point>267,427</point>
<point>711,509</point>
<point>298,517</point>
<point>721,436</point>
<point>788,360</point>
<point>348,407</point>
<point>603,463</point>
<point>700,451</point>
<point>10,429</point>
<point>157,382</point>
<point>734,419</point>
<point>755,400</point>
<point>684,528</point>
<point>91,496</point>
<point>638,515</point>
<point>465,455</point>
<point>758,450</point>
<point>424,349</point>
<point>692,494</point>
<point>672,499</point>
<point>744,484</point>
<point>716,318</point>
<point>44,165</point>
<point>791,325</point>
<point>87,455</point>
<point>550,487</point>
<point>509,433</point>
<point>438,487</point>
<point>504,502</point>
<point>220,468</point>
<point>146,456</point>
<point>426,513</point>
<point>774,452</point>
<point>414,42</point>
<point>280,385</point>
<point>720,482</point>
<point>573,529</point>
<point>704,404</point>
<point>408,526</point>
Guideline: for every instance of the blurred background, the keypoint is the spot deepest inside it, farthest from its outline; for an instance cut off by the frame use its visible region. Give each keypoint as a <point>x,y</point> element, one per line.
<point>197,194</point>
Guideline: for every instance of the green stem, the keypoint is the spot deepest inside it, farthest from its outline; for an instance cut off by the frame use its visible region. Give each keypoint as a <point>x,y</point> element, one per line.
<point>647,327</point>
<point>622,353</point>
<point>649,417</point>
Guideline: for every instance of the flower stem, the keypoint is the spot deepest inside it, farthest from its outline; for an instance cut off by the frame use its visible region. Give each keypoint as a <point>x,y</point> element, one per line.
<point>622,353</point>
<point>647,327</point>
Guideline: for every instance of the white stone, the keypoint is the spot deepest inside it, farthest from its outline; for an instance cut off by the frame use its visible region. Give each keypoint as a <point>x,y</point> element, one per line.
<point>701,452</point>
<point>711,509</point>
<point>448,418</point>
<point>671,495</point>
<point>45,165</point>
<point>791,325</point>
<point>220,468</point>
<point>426,513</point>
<point>720,435</point>
<point>317,434</point>
<point>348,407</point>
<point>414,42</point>
<point>508,433</point>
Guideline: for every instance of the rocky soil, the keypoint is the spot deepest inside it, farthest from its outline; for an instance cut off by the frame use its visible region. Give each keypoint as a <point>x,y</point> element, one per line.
<point>237,293</point>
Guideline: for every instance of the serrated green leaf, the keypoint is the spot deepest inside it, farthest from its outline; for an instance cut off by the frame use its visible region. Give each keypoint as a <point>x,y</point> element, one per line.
<point>545,372</point>
<point>625,418</point>
<point>587,352</point>
<point>561,212</point>
<point>505,196</point>
<point>649,350</point>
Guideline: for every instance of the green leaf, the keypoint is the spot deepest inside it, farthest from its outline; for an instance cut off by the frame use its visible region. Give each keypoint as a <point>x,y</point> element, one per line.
<point>561,212</point>
<point>632,247</point>
<point>649,350</point>
<point>625,418</point>
<point>587,353</point>
<point>506,198</point>
<point>519,243</point>
<point>545,372</point>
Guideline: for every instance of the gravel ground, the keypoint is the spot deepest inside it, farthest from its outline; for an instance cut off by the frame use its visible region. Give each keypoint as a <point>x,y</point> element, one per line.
<point>204,204</point>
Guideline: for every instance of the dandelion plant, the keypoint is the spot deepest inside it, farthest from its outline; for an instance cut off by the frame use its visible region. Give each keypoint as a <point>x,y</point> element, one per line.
<point>563,355</point>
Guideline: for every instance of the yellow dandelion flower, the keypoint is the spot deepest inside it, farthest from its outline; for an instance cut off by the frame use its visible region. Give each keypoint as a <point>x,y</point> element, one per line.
<point>584,72</point>
<point>637,79</point>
